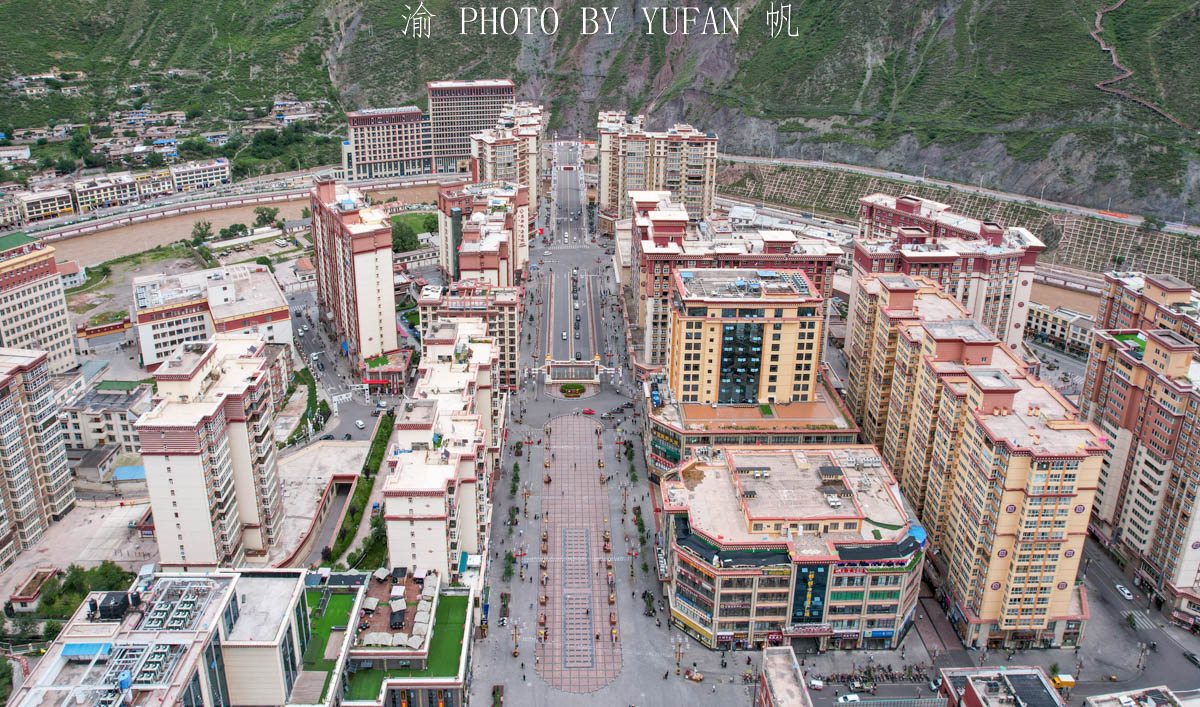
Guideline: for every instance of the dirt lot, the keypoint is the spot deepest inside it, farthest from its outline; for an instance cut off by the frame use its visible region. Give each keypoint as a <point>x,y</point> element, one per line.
<point>115,294</point>
<point>254,250</point>
<point>1071,299</point>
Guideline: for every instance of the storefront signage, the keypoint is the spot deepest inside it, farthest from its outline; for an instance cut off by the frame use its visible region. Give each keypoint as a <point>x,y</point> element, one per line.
<point>880,633</point>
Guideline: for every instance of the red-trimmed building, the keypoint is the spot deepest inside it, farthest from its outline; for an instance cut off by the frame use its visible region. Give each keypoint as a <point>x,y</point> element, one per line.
<point>208,446</point>
<point>483,232</point>
<point>352,252</point>
<point>386,142</point>
<point>661,243</point>
<point>35,308</point>
<point>442,455</point>
<point>170,310</point>
<point>499,307</point>
<point>985,266</point>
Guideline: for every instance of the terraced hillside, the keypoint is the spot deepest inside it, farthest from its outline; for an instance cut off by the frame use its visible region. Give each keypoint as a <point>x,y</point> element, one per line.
<point>1003,91</point>
<point>1078,241</point>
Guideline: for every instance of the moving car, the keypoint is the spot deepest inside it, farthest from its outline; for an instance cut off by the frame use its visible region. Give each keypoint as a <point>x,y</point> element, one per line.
<point>1192,658</point>
<point>588,411</point>
<point>848,698</point>
<point>577,334</point>
<point>564,336</point>
<point>1124,592</point>
<point>360,424</point>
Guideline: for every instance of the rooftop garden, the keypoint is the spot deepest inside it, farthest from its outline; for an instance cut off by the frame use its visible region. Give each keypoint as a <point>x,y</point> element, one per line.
<point>377,361</point>
<point>337,613</point>
<point>444,651</point>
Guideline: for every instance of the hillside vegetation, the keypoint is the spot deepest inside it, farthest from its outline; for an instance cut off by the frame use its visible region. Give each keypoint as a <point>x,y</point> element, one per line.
<point>994,91</point>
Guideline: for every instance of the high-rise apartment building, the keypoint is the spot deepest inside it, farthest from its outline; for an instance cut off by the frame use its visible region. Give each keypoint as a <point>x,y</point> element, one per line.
<point>498,307</point>
<point>208,446</point>
<point>402,141</point>
<point>35,309</point>
<point>681,160</point>
<point>169,310</point>
<point>1132,300</point>
<point>1142,388</point>
<point>458,110</point>
<point>38,484</point>
<point>443,449</point>
<point>483,232</point>
<point>386,142</point>
<point>662,242</point>
<point>511,151</point>
<point>765,544</point>
<point>995,462</point>
<point>986,267</point>
<point>743,336</point>
<point>352,251</point>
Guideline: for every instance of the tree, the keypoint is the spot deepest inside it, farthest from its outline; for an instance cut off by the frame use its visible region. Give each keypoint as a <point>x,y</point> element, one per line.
<point>201,231</point>
<point>264,216</point>
<point>194,111</point>
<point>305,213</point>
<point>80,145</point>
<point>66,165</point>
<point>264,260</point>
<point>154,159</point>
<point>431,223</point>
<point>94,159</point>
<point>51,629</point>
<point>404,238</point>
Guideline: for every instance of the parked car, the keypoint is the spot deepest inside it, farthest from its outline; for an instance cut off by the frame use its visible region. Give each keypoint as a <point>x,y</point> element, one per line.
<point>1192,658</point>
<point>346,437</point>
<point>848,698</point>
<point>1124,592</point>
<point>325,437</point>
<point>360,424</point>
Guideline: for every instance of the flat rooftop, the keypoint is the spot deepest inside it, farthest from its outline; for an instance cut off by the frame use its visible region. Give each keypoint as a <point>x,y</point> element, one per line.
<point>304,475</point>
<point>1160,696</point>
<point>740,285</point>
<point>740,486</point>
<point>263,600</point>
<point>472,83</point>
<point>815,415</point>
<point>114,397</point>
<point>785,680</point>
<point>231,292</point>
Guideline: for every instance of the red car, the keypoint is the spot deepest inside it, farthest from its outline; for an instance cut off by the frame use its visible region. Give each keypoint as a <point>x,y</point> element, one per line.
<point>589,411</point>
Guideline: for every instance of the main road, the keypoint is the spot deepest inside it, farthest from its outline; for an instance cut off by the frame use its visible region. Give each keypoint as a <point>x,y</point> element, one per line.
<point>573,276</point>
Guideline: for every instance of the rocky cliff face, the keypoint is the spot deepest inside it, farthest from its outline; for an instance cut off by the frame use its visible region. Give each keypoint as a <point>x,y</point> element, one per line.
<point>999,92</point>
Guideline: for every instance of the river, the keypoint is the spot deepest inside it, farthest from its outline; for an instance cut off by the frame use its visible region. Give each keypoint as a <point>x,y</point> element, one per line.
<point>96,248</point>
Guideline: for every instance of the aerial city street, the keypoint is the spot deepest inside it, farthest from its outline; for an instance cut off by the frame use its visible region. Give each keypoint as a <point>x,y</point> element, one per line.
<point>664,381</point>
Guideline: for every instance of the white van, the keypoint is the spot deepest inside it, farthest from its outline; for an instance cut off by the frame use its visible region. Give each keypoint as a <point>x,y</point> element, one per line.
<point>281,243</point>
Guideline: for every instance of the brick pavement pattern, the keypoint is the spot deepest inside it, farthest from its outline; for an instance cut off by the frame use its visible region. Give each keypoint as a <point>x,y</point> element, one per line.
<point>574,517</point>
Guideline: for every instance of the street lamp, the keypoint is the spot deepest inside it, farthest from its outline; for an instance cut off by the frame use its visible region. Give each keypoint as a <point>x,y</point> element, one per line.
<point>679,644</point>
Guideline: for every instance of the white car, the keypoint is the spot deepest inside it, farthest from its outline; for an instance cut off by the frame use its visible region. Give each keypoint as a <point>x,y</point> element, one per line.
<point>545,252</point>
<point>564,336</point>
<point>1124,592</point>
<point>359,424</point>
<point>848,698</point>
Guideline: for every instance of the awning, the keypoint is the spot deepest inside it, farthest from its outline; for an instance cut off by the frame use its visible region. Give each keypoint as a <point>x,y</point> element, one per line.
<point>374,381</point>
<point>370,604</point>
<point>381,574</point>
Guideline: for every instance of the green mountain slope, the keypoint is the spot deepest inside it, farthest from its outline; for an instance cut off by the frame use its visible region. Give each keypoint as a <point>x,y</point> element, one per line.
<point>999,92</point>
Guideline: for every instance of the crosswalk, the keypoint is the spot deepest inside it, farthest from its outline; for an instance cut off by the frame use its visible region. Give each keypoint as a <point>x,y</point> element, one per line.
<point>1143,620</point>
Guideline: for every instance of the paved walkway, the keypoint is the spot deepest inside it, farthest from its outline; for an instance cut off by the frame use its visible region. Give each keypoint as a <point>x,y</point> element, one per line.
<point>580,654</point>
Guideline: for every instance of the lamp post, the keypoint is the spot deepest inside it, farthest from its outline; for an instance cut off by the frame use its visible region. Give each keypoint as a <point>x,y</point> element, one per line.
<point>679,644</point>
